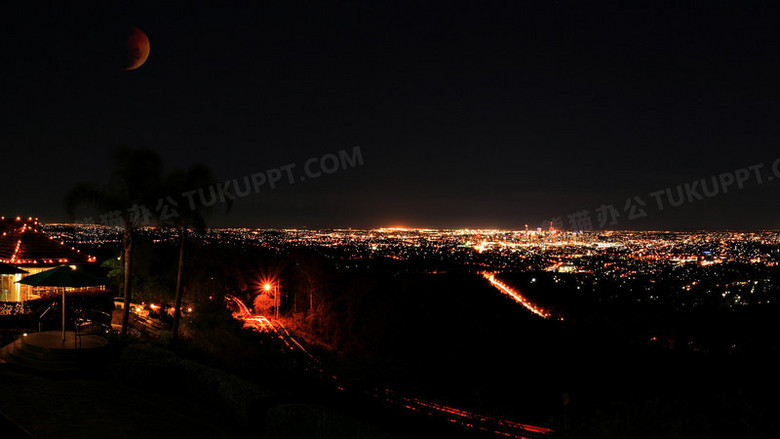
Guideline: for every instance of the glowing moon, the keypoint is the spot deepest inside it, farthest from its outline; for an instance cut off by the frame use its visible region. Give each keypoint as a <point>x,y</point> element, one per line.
<point>136,49</point>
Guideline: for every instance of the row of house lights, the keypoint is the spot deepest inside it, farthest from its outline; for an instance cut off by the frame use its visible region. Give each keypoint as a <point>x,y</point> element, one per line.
<point>25,227</point>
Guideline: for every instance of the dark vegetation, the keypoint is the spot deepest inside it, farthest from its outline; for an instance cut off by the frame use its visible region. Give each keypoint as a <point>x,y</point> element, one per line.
<point>454,339</point>
<point>629,370</point>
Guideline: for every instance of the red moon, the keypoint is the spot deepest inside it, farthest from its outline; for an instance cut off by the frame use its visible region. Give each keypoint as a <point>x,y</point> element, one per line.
<point>136,50</point>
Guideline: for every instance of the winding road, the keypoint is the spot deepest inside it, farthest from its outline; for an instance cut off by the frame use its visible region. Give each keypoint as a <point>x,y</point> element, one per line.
<point>463,418</point>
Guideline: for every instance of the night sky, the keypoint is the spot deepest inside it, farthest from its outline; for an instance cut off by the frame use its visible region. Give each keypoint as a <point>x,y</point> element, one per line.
<point>478,114</point>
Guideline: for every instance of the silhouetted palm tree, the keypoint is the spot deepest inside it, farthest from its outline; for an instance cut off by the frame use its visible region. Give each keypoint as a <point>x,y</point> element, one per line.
<point>127,200</point>
<point>189,215</point>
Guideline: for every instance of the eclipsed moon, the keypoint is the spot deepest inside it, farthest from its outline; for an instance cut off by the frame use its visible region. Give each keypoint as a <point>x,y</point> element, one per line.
<point>136,49</point>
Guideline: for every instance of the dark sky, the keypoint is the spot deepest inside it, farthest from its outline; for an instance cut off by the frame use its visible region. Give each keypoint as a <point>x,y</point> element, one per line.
<point>481,114</point>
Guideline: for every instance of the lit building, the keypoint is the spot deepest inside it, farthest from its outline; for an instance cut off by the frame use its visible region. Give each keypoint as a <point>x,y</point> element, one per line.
<point>24,245</point>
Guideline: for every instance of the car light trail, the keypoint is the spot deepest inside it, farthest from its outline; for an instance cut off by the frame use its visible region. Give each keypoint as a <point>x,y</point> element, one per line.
<point>463,418</point>
<point>516,296</point>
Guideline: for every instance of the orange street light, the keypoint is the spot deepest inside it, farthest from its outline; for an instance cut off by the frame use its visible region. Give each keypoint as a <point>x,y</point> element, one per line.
<point>277,302</point>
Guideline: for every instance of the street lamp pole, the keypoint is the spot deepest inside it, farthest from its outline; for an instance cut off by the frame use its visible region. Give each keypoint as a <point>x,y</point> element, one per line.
<point>277,299</point>
<point>278,302</point>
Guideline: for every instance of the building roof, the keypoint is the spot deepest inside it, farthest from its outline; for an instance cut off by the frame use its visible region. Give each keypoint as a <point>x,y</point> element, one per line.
<point>22,242</point>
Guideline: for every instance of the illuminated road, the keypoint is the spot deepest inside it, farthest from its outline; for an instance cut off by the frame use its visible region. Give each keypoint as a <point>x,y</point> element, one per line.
<point>277,330</point>
<point>465,419</point>
<point>516,296</point>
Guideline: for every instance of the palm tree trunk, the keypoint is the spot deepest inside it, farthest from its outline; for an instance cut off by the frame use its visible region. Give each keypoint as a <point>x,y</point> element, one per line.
<point>127,241</point>
<point>179,275</point>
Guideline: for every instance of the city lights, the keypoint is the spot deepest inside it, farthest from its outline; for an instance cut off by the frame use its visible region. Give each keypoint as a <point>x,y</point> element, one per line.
<point>588,259</point>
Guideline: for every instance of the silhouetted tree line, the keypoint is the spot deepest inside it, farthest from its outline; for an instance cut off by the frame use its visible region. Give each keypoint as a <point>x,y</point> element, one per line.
<point>141,192</point>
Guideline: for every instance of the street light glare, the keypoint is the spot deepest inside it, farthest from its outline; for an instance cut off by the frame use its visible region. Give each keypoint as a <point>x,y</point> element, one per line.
<point>267,287</point>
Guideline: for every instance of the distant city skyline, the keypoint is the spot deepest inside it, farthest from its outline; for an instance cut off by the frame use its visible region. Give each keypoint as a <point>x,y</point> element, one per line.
<point>641,263</point>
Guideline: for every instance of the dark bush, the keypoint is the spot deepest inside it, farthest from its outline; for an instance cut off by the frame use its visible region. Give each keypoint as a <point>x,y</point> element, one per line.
<point>297,421</point>
<point>239,398</point>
